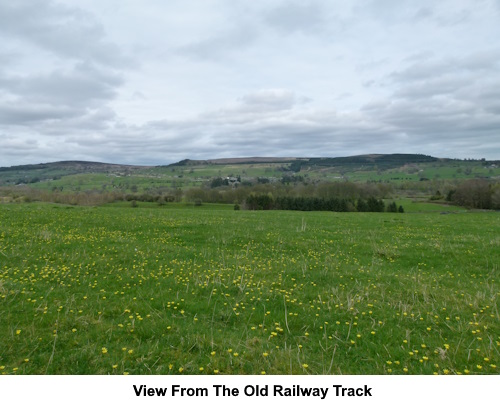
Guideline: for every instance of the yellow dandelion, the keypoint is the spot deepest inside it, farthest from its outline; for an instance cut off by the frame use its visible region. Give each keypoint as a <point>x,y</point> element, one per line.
<point>104,350</point>
<point>265,354</point>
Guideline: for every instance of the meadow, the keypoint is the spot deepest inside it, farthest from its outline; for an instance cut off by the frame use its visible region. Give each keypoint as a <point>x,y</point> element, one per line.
<point>158,290</point>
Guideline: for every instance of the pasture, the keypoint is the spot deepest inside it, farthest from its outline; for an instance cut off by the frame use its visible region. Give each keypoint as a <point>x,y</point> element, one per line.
<point>156,290</point>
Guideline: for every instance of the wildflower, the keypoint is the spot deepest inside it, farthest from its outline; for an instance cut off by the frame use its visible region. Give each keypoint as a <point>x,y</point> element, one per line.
<point>265,354</point>
<point>115,366</point>
<point>212,353</point>
<point>18,332</point>
<point>305,365</point>
<point>216,371</point>
<point>104,350</point>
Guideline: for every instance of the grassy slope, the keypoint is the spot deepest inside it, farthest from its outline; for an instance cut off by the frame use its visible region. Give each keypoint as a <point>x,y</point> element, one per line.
<point>159,290</point>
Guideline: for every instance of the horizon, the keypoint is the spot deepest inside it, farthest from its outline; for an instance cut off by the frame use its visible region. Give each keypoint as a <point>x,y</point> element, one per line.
<point>243,159</point>
<point>200,79</point>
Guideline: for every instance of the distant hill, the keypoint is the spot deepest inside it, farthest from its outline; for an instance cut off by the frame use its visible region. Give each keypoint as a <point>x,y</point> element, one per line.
<point>229,161</point>
<point>83,175</point>
<point>76,165</point>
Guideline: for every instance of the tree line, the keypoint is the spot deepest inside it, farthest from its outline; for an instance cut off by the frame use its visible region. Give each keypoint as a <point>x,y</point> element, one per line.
<point>267,202</point>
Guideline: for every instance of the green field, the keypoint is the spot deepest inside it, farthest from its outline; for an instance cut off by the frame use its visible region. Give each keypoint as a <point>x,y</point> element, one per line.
<point>157,290</point>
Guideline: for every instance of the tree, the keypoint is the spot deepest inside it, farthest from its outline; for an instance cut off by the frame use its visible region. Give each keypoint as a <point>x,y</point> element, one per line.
<point>392,207</point>
<point>475,193</point>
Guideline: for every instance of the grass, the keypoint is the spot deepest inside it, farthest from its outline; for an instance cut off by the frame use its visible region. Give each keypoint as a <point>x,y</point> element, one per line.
<point>154,290</point>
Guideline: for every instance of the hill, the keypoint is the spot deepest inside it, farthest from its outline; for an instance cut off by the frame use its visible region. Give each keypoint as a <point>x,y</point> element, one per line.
<point>415,173</point>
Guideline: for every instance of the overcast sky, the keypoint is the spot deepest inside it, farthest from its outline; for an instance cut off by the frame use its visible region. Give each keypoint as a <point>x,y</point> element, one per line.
<point>157,81</point>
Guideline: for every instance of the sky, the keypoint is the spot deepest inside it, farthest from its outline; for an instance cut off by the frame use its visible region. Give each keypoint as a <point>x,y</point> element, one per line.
<point>152,82</point>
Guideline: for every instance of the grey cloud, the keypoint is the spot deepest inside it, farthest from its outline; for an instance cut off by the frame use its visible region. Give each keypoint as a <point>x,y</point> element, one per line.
<point>423,13</point>
<point>270,99</point>
<point>67,32</point>
<point>295,16</point>
<point>16,114</point>
<point>432,85</point>
<point>219,45</point>
<point>83,85</point>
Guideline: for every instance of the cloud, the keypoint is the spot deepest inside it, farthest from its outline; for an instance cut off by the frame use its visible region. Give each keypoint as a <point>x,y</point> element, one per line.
<point>294,16</point>
<point>82,85</point>
<point>66,32</point>
<point>219,78</point>
<point>220,45</point>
